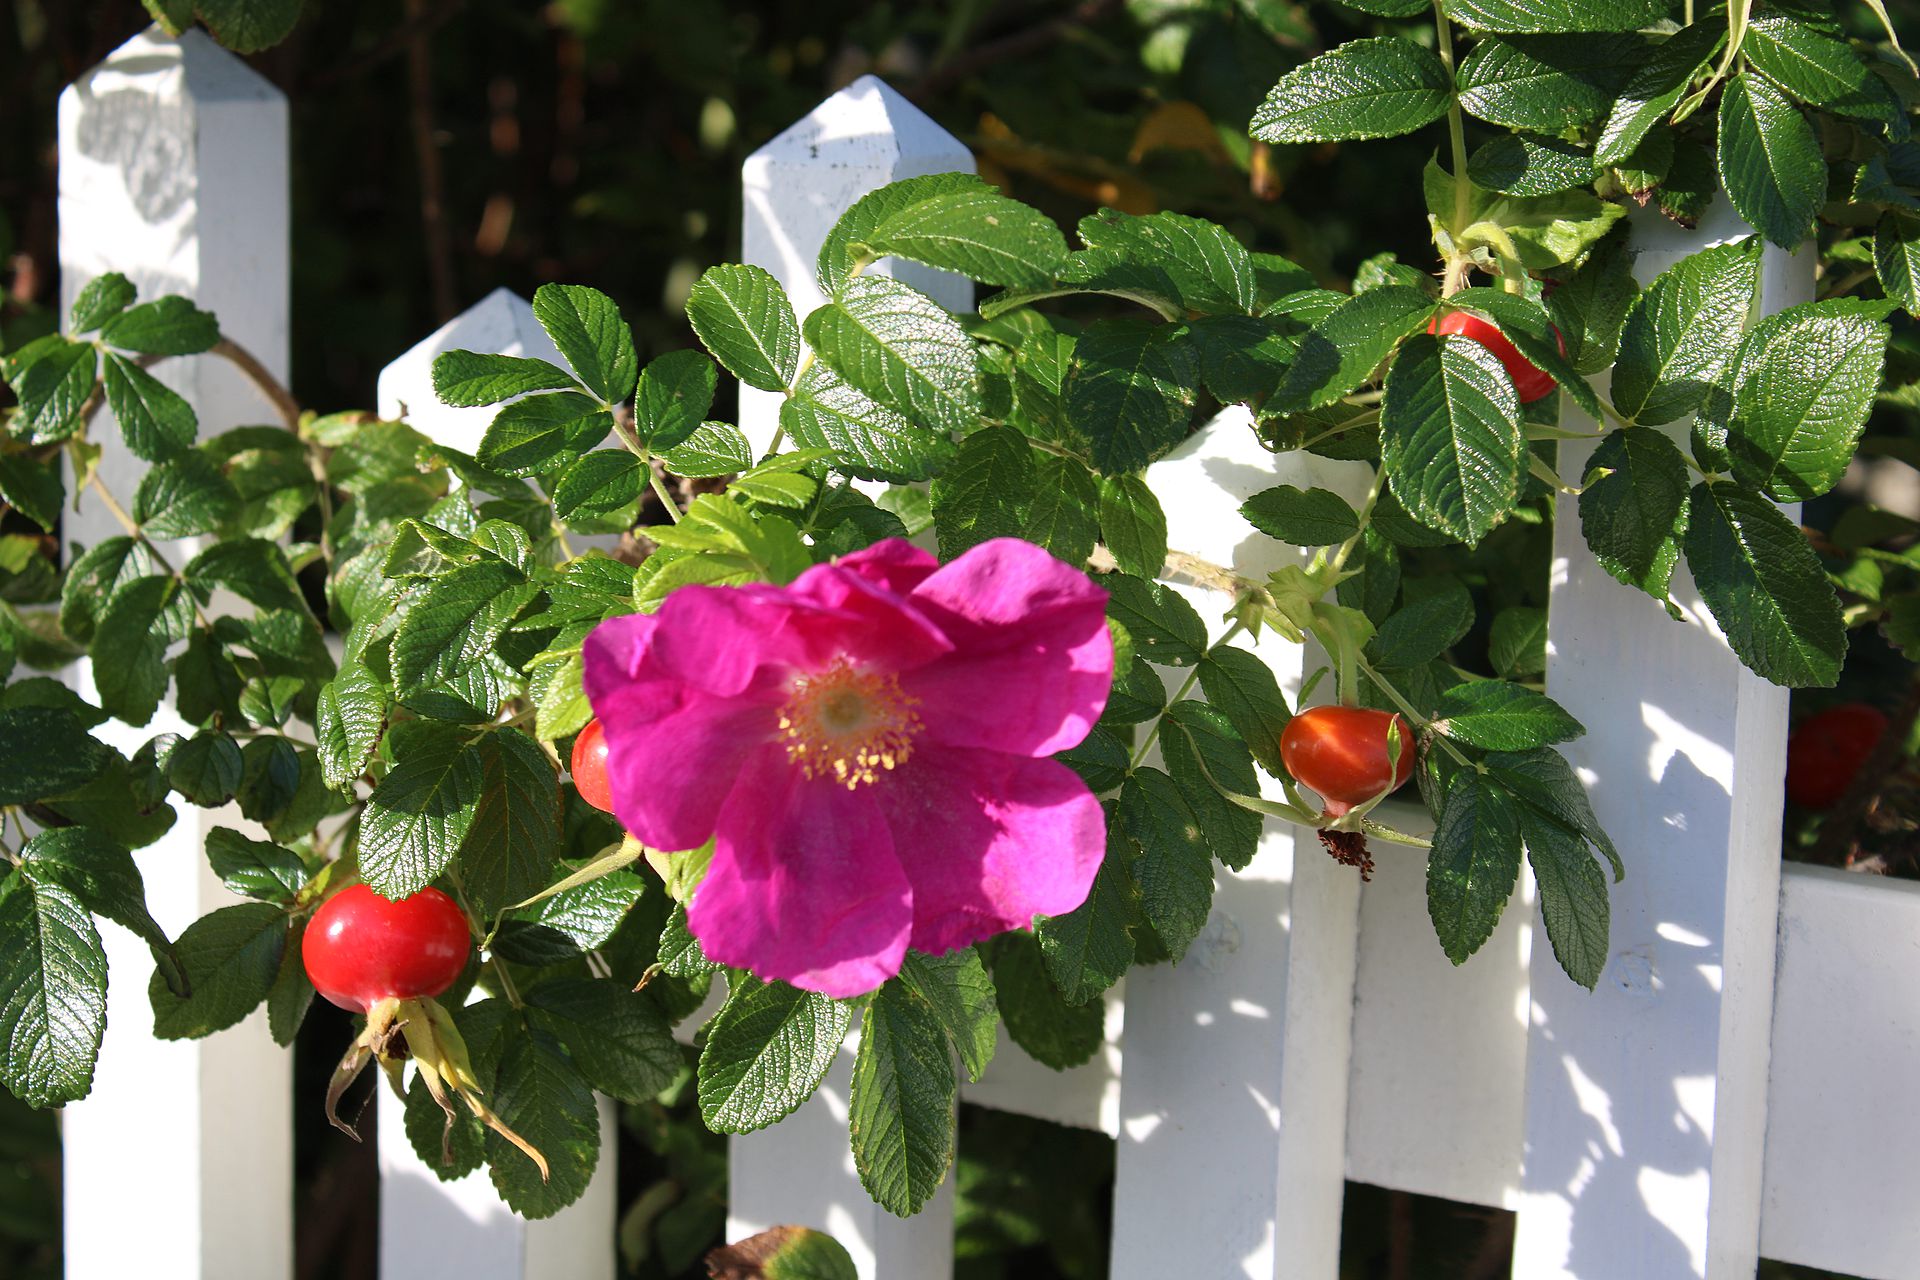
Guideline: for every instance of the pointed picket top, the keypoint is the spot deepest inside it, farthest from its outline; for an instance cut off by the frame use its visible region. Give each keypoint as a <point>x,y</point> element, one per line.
<point>797,185</point>
<point>501,323</point>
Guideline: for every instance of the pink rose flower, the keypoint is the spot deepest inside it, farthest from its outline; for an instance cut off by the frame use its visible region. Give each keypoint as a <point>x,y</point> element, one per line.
<point>867,748</point>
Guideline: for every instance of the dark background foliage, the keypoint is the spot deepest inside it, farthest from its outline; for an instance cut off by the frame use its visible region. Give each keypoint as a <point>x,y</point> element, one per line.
<point>443,148</point>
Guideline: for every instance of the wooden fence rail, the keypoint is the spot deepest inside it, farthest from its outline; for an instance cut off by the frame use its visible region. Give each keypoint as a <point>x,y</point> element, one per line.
<point>1733,1090</point>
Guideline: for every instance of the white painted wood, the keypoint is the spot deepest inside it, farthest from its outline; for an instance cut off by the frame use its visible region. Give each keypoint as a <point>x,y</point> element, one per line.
<point>173,170</point>
<point>1842,1175</point>
<point>501,323</point>
<point>1086,1096</point>
<point>1439,1052</point>
<point>1233,1091</point>
<point>461,1228</point>
<point>797,186</point>
<point>1646,1100</point>
<point>800,1172</point>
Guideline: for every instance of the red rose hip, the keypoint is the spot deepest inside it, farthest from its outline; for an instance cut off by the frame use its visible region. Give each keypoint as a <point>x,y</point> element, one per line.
<point>1340,753</point>
<point>360,948</point>
<point>1827,749</point>
<point>590,767</point>
<point>1532,382</point>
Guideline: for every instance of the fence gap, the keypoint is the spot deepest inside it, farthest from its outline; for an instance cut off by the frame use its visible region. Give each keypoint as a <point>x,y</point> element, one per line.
<point>429,1227</point>
<point>1646,1100</point>
<point>173,171</point>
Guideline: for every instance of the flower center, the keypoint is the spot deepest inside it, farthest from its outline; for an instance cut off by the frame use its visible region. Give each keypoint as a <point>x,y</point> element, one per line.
<point>848,724</point>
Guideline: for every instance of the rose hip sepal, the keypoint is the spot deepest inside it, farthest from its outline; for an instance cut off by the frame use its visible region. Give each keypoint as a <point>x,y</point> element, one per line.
<point>388,960</point>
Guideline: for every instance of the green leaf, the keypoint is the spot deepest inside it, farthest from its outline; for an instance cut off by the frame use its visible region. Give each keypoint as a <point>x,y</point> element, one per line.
<point>1132,390</point>
<point>1091,947</point>
<point>1591,305</point>
<point>783,1253</point>
<point>170,326</point>
<point>951,221</point>
<point>184,496</point>
<point>1342,350</point>
<point>44,752</point>
<point>1546,230</point>
<point>1573,896</point>
<point>231,957</point>
<point>1525,323</point>
<point>420,813</point>
<point>206,769</point>
<point>767,1050</point>
<point>1163,625</point>
<point>868,439</point>
<point>1205,753</point>
<point>1517,646</point>
<point>1053,1032</point>
<point>95,578</point>
<point>1497,716</point>
<point>1363,89</point>
<point>675,391</point>
<point>1634,516</point>
<point>900,1111</point>
<point>1532,17</point>
<point>1450,436</point>
<point>1244,688</point>
<point>902,348</point>
<point>1683,330</point>
<point>587,327</point>
<point>1523,164</point>
<point>1063,513</point>
<point>350,716</point>
<point>984,493</point>
<point>129,645</point>
<point>599,484</point>
<point>615,1035</point>
<point>540,1096</point>
<point>54,971</point>
<point>1770,160</point>
<point>98,301</point>
<point>291,994</point>
<point>1817,68</point>
<point>1099,271</point>
<point>1543,780</point>
<point>1211,270</point>
<point>1172,865</point>
<point>455,621</point>
<point>743,317</point>
<point>680,954</point>
<point>1549,83</point>
<point>956,989</point>
<point>102,876</point>
<point>34,489</point>
<point>255,868</point>
<point>1765,587</point>
<point>248,26</point>
<point>52,379</point>
<point>1896,260</point>
<point>714,449</point>
<point>507,854</point>
<point>1132,524</point>
<point>1655,87</point>
<point>252,568</point>
<point>1803,383</point>
<point>156,422</point>
<point>1422,630</point>
<point>1474,864</point>
<point>531,435</point>
<point>1303,517</point>
<point>469,378</point>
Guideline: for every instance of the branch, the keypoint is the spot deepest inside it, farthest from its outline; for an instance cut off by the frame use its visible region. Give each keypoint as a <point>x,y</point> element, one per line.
<point>244,360</point>
<point>1009,47</point>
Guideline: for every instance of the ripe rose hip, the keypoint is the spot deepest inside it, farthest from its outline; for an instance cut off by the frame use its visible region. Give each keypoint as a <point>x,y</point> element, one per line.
<point>1532,382</point>
<point>1340,753</point>
<point>590,767</point>
<point>360,948</point>
<point>1826,750</point>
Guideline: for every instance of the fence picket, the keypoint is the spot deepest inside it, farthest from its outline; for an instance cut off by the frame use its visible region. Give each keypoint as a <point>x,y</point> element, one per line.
<point>173,171</point>
<point>1646,1100</point>
<point>795,188</point>
<point>426,1224</point>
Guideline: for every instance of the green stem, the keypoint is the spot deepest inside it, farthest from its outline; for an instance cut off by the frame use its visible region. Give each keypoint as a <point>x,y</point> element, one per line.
<point>1457,136</point>
<point>1366,514</point>
<point>660,488</point>
<point>1399,700</point>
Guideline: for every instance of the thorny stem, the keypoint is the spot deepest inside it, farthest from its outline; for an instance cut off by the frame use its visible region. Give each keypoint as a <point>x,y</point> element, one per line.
<point>282,400</point>
<point>1457,136</point>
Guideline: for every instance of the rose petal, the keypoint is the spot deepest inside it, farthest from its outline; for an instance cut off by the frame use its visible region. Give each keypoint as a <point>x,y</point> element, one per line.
<point>804,885</point>
<point>893,563</point>
<point>673,752</point>
<point>724,639</point>
<point>864,621</point>
<point>989,841</point>
<point>1033,660</point>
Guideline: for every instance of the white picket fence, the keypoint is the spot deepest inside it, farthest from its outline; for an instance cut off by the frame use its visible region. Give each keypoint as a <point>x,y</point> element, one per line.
<point>1736,1088</point>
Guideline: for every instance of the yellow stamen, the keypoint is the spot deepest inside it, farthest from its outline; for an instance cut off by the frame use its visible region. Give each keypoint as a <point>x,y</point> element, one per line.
<point>848,723</point>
